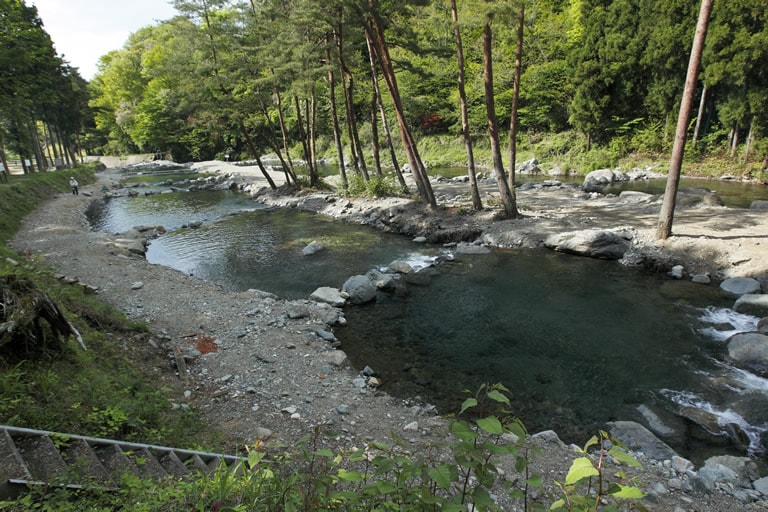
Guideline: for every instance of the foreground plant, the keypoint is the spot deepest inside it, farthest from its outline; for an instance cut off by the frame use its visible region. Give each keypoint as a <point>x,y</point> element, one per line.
<point>586,485</point>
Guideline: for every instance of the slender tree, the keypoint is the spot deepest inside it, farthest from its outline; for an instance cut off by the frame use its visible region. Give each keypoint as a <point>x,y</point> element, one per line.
<point>513,118</point>
<point>507,195</point>
<point>664,227</point>
<point>477,203</point>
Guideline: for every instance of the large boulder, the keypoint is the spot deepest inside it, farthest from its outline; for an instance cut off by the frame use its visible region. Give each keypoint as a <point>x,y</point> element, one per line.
<point>752,304</point>
<point>738,286</point>
<point>749,351</point>
<point>360,289</point>
<point>759,205</point>
<point>529,167</point>
<point>597,180</point>
<point>595,243</point>
<point>692,197</point>
<point>639,439</point>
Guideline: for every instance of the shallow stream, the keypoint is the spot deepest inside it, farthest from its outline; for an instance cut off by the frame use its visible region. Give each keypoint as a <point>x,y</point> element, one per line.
<point>577,341</point>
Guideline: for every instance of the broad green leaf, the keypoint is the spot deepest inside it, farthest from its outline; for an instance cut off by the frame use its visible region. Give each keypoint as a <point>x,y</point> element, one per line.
<point>491,424</point>
<point>461,430</point>
<point>628,492</point>
<point>350,476</point>
<point>443,475</point>
<point>469,402</point>
<point>592,441</point>
<point>535,481</point>
<point>622,456</point>
<point>324,452</point>
<point>481,498</point>
<point>498,396</point>
<point>557,505</point>
<point>580,469</point>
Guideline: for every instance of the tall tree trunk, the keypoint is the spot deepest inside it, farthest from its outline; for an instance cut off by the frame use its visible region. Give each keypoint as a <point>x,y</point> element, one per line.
<point>281,120</point>
<point>699,116</point>
<point>513,120</point>
<point>477,203</point>
<point>409,145</point>
<point>382,112</point>
<point>335,121</point>
<point>349,83</point>
<point>734,140</point>
<point>311,116</point>
<point>507,195</point>
<point>750,139</point>
<point>375,149</point>
<point>255,153</point>
<point>302,135</point>
<point>666,215</point>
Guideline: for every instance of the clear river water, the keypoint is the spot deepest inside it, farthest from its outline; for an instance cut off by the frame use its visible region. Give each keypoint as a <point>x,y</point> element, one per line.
<point>578,341</point>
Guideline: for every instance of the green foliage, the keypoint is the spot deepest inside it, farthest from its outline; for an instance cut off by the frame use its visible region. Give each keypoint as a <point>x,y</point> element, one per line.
<point>379,477</point>
<point>375,186</point>
<point>586,486</point>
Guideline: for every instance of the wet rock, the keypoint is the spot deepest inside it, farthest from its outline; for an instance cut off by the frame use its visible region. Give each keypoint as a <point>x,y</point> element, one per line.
<point>360,289</point>
<point>399,267</point>
<point>639,439</point>
<point>677,272</point>
<point>595,243</point>
<point>759,205</point>
<point>762,325</point>
<point>738,286</point>
<point>381,280</point>
<point>749,351</point>
<point>597,180</point>
<point>752,304</point>
<point>313,248</point>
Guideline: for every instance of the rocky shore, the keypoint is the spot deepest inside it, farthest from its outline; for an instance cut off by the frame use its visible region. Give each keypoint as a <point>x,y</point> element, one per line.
<point>258,366</point>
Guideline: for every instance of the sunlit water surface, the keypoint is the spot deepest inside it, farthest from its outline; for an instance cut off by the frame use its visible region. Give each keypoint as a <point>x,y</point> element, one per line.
<point>578,341</point>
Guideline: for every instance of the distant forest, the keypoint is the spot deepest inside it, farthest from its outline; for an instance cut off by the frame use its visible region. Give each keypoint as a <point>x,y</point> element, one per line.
<point>313,79</point>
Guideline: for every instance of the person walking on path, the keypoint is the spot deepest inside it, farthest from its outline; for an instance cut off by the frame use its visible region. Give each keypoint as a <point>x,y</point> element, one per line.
<point>73,183</point>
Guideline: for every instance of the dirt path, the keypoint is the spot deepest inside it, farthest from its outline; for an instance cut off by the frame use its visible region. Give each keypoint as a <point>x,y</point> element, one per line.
<point>274,375</point>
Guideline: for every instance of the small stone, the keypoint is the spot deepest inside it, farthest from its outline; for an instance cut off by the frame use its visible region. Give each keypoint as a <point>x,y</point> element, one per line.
<point>677,272</point>
<point>412,426</point>
<point>368,371</point>
<point>374,382</point>
<point>701,279</point>
<point>681,464</point>
<point>342,409</point>
<point>291,409</point>
<point>137,285</point>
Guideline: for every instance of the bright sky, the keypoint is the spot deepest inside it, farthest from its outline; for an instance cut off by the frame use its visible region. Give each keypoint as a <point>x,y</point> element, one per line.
<point>84,30</point>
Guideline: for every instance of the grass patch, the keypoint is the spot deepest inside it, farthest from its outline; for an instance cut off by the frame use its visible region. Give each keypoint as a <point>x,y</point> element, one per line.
<point>117,388</point>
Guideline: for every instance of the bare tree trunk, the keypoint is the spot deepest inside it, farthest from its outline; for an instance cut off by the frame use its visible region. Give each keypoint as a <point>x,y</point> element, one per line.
<point>699,116</point>
<point>750,139</point>
<point>382,113</point>
<point>513,120</point>
<point>302,135</point>
<point>477,203</point>
<point>348,87</point>
<point>311,115</point>
<point>409,145</point>
<point>335,121</point>
<point>281,119</point>
<point>734,141</point>
<point>507,195</point>
<point>666,215</point>
<point>255,153</point>
<point>375,148</point>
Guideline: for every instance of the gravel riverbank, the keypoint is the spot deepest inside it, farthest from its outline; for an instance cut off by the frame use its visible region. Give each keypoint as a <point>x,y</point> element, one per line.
<point>275,370</point>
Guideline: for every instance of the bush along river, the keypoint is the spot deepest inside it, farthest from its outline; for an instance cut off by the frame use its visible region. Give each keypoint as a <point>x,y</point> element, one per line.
<point>578,341</point>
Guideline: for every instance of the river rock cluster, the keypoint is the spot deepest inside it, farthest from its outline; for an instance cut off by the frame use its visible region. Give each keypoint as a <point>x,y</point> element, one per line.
<point>260,367</point>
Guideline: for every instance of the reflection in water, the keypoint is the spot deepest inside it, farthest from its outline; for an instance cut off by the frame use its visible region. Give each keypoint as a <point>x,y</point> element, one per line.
<point>578,341</point>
